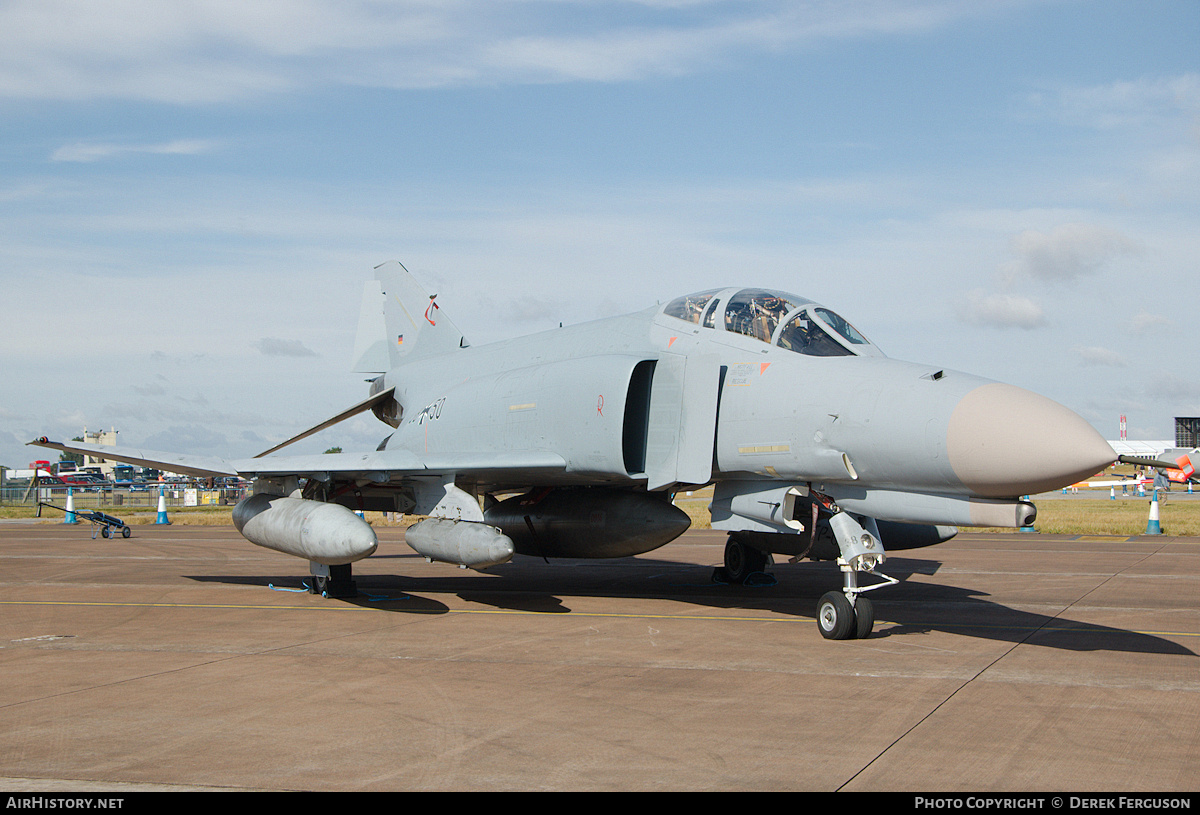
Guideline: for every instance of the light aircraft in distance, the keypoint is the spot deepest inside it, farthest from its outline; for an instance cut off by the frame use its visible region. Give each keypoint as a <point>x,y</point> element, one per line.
<point>572,442</point>
<point>1180,471</point>
<point>1112,483</point>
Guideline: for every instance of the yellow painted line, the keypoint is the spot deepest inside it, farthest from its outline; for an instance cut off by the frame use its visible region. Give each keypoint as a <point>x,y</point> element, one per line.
<point>633,616</point>
<point>169,605</point>
<point>526,406</point>
<point>352,607</point>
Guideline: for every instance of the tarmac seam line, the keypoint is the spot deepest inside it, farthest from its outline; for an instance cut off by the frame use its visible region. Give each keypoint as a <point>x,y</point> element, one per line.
<point>994,662</point>
<point>952,694</point>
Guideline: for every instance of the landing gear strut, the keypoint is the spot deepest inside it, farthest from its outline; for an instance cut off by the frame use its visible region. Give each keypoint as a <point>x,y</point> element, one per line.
<point>332,581</point>
<point>846,614</point>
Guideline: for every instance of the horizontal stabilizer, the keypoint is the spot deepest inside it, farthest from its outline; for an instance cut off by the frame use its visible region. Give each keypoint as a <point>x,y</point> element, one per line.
<point>361,407</point>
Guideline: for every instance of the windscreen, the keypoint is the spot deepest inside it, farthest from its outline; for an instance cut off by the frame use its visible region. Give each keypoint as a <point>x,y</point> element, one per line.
<point>848,332</point>
<point>804,335</point>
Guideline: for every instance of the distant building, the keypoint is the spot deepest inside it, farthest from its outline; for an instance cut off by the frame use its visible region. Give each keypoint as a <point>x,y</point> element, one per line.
<point>1187,432</point>
<point>1142,449</point>
<point>109,439</point>
<point>1187,438</point>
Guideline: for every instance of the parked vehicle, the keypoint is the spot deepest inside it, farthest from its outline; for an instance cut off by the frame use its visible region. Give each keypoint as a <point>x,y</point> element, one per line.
<point>83,481</point>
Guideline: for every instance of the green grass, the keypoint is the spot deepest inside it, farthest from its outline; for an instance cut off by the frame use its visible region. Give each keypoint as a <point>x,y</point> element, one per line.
<point>132,515</point>
<point>1124,516</point>
<point>1065,516</point>
<point>1056,516</point>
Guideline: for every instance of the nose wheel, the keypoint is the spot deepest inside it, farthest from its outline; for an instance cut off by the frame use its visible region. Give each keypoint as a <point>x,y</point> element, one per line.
<point>846,614</point>
<point>839,619</point>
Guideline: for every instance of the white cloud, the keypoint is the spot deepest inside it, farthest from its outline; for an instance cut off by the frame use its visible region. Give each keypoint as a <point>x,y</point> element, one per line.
<point>1096,355</point>
<point>1067,251</point>
<point>88,152</point>
<point>214,50</point>
<point>1001,311</point>
<point>153,389</point>
<point>1183,391</point>
<point>1139,102</point>
<point>272,347</point>
<point>1143,323</point>
<point>192,438</point>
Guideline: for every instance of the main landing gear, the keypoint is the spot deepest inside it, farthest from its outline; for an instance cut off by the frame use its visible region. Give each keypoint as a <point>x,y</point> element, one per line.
<point>332,581</point>
<point>743,560</point>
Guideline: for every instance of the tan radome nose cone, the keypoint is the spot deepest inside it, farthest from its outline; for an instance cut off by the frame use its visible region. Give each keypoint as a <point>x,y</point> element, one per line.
<point>1004,441</point>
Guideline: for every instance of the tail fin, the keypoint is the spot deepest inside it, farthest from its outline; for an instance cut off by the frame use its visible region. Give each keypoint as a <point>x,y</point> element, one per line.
<point>400,322</point>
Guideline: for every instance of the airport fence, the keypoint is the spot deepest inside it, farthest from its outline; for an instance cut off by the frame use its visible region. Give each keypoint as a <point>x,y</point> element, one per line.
<point>115,498</point>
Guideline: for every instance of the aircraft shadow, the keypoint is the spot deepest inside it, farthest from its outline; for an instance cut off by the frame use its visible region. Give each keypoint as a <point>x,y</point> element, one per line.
<point>532,585</point>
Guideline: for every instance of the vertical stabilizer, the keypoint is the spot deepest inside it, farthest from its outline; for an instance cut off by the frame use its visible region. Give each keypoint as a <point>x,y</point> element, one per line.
<point>400,321</point>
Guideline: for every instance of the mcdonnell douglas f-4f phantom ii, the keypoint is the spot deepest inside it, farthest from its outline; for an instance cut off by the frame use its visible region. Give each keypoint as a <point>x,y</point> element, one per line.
<point>818,445</point>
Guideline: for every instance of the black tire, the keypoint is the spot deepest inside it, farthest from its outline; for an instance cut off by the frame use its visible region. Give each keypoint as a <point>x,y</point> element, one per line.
<point>758,559</point>
<point>736,566</point>
<point>835,616</point>
<point>105,531</point>
<point>126,532</point>
<point>741,560</point>
<point>864,618</point>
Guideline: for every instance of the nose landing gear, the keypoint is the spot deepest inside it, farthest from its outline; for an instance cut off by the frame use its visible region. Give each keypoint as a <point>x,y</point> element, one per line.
<point>841,615</point>
<point>846,614</point>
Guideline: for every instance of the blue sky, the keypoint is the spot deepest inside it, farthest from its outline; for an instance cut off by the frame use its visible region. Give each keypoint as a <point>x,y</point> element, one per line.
<point>191,195</point>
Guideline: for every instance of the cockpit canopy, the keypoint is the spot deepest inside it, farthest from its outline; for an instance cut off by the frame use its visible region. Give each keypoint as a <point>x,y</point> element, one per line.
<point>774,317</point>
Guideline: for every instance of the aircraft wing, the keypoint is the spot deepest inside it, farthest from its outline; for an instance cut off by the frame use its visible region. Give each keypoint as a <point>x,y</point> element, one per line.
<point>379,466</point>
<point>199,466</point>
<point>383,466</point>
<point>1117,482</point>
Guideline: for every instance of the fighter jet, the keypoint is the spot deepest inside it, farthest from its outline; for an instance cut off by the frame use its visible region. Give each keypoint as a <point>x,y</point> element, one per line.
<point>572,443</point>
